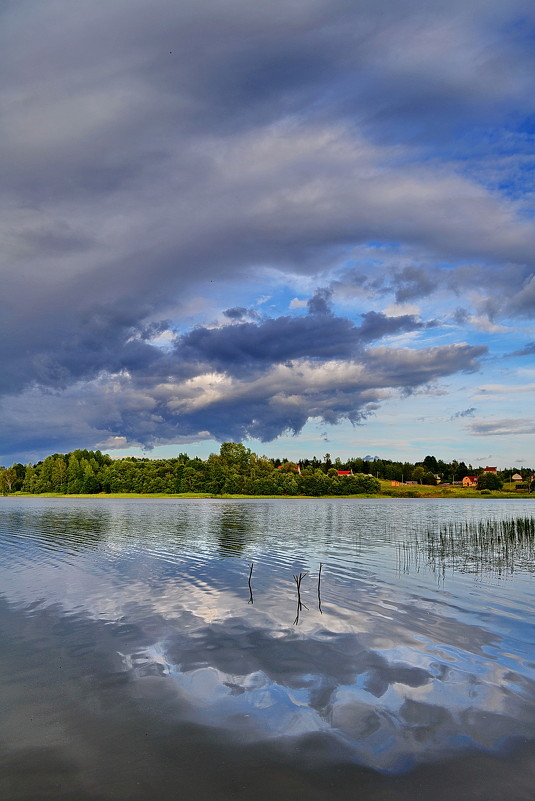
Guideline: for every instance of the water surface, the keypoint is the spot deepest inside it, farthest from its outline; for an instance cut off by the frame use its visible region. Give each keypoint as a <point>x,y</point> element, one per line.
<point>157,649</point>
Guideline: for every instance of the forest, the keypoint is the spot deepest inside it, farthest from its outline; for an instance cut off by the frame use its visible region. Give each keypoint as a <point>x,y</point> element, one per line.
<point>235,470</point>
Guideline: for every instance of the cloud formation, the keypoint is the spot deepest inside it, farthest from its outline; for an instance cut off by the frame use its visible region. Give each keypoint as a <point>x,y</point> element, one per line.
<point>505,427</point>
<point>200,156</point>
<point>464,413</point>
<point>274,398</point>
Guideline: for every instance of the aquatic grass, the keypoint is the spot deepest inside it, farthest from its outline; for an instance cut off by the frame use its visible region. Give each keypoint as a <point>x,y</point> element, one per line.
<point>473,546</point>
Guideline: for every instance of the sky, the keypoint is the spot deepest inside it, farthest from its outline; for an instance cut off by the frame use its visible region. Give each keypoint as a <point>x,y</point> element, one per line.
<point>306,225</point>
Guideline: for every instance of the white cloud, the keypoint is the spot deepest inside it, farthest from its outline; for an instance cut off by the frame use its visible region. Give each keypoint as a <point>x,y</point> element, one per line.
<point>484,390</point>
<point>484,324</point>
<point>502,427</point>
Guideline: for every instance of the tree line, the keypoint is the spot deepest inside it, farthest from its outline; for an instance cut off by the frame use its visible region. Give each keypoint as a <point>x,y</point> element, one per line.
<point>234,470</point>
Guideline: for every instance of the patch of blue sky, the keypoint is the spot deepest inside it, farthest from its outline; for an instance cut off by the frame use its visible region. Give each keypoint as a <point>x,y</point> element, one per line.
<point>384,245</point>
<point>501,159</point>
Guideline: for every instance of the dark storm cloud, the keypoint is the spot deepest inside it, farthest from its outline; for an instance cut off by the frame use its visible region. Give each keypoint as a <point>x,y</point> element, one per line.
<point>283,398</point>
<point>236,313</point>
<point>408,369</point>
<point>237,349</point>
<point>60,346</point>
<point>319,302</point>
<point>413,283</point>
<point>155,408</point>
<point>377,325</point>
<point>111,342</point>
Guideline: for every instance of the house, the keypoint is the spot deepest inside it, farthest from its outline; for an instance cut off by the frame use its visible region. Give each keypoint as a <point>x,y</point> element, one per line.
<point>344,472</point>
<point>516,477</point>
<point>395,483</point>
<point>490,470</point>
<point>470,481</point>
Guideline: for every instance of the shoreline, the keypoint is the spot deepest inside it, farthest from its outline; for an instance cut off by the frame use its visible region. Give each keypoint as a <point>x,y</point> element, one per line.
<point>412,494</point>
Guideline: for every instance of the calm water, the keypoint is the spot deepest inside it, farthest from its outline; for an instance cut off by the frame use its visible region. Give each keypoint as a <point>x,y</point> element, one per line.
<point>158,650</point>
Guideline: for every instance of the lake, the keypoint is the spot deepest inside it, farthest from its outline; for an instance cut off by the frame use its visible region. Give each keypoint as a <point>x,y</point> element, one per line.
<point>264,649</point>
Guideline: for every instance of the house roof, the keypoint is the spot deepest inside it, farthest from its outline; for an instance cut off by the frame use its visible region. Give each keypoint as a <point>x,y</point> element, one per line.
<point>344,472</point>
<point>490,470</point>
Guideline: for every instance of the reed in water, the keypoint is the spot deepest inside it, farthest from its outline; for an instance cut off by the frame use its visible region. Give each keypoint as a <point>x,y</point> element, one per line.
<point>495,546</point>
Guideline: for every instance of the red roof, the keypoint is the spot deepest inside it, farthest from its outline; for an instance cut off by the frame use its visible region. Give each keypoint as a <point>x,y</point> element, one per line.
<point>490,470</point>
<point>344,472</point>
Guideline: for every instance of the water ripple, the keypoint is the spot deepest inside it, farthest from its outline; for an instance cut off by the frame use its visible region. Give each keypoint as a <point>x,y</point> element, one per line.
<point>195,608</point>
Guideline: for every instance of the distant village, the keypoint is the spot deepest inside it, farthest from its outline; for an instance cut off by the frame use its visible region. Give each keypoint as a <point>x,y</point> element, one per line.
<point>521,483</point>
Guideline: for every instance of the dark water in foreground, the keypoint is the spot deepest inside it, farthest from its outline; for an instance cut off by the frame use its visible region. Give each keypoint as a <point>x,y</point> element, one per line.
<point>137,660</point>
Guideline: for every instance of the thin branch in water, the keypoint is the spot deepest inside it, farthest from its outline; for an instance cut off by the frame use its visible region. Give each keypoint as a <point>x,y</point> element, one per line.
<point>319,589</point>
<point>300,605</point>
<point>251,599</point>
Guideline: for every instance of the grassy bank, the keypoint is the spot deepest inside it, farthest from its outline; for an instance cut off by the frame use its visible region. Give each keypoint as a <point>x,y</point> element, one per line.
<point>422,491</point>
<point>387,491</point>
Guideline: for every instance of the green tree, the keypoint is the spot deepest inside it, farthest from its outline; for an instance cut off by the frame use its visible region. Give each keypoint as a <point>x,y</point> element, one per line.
<point>489,481</point>
<point>44,481</point>
<point>233,482</point>
<point>360,484</point>
<point>20,471</point>
<point>288,484</point>
<point>8,476</point>
<point>418,473</point>
<point>74,475</point>
<point>191,480</point>
<point>89,483</point>
<point>30,479</point>
<point>216,473</point>
<point>59,475</point>
<point>288,467</point>
<point>235,455</point>
<point>430,463</point>
<point>315,482</point>
<point>429,479</point>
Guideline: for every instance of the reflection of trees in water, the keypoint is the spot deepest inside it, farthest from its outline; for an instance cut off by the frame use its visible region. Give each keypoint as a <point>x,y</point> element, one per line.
<point>236,527</point>
<point>497,547</point>
<point>76,530</point>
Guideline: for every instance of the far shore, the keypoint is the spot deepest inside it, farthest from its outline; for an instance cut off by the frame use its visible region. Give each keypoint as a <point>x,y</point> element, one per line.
<point>415,492</point>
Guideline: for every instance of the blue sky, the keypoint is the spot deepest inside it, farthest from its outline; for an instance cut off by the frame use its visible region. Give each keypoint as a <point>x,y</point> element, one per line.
<point>306,226</point>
